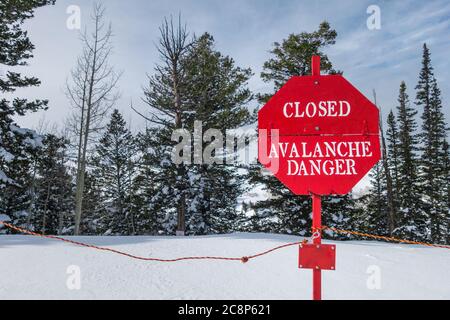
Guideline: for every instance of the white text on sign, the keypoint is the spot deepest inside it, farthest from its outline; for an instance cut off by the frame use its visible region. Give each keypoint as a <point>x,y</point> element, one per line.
<point>320,109</point>
<point>321,158</point>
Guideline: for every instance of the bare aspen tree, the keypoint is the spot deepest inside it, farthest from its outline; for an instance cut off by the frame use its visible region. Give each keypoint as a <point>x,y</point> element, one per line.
<point>92,93</point>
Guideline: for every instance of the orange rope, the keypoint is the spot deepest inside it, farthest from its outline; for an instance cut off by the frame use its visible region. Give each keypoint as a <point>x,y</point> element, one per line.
<point>243,259</point>
<point>389,239</point>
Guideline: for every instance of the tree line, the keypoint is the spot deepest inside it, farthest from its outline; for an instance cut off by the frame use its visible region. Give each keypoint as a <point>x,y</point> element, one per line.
<point>97,177</point>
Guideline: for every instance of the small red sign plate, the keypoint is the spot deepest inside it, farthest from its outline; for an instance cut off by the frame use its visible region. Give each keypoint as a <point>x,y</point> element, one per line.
<point>317,256</point>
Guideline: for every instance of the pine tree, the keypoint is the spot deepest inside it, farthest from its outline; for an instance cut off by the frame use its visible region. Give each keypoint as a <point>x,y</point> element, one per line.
<point>113,166</point>
<point>293,56</point>
<point>392,137</point>
<point>446,185</point>
<point>392,145</point>
<point>196,198</point>
<point>54,189</point>
<point>411,219</point>
<point>218,94</point>
<point>148,219</point>
<point>440,212</point>
<point>338,212</point>
<point>433,138</point>
<point>283,211</point>
<point>18,146</point>
<point>166,95</point>
<point>373,218</point>
<point>94,220</point>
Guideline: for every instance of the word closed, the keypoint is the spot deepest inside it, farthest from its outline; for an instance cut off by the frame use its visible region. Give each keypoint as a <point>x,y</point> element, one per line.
<point>321,109</point>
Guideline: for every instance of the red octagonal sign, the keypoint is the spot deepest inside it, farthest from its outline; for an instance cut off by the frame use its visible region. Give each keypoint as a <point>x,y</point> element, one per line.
<point>319,135</point>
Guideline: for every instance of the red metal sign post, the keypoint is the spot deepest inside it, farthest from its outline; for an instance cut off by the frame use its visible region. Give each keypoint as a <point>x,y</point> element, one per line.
<point>317,227</point>
<point>319,136</point>
<point>317,210</point>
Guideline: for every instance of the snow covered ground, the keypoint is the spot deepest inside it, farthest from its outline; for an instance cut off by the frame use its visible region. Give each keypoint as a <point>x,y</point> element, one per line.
<point>34,268</point>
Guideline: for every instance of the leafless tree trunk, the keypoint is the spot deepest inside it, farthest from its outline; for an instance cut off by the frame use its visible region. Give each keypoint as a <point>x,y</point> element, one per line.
<point>91,93</point>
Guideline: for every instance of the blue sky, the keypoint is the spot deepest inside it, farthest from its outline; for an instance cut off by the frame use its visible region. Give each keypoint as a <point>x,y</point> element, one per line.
<point>245,30</point>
